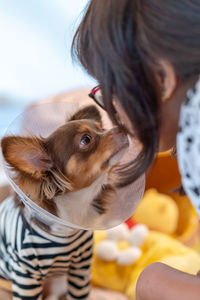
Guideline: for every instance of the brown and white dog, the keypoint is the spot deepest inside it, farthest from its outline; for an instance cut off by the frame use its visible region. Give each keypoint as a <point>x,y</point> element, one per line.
<point>67,173</point>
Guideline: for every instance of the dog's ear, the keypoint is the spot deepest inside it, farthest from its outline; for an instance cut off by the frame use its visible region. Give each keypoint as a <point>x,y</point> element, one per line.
<point>26,154</point>
<point>88,112</point>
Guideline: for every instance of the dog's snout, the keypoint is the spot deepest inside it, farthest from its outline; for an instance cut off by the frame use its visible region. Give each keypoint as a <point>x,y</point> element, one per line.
<point>119,135</point>
<point>117,131</point>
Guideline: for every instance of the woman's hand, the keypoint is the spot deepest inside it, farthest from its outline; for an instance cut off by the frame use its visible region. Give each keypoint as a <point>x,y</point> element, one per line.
<point>161,282</point>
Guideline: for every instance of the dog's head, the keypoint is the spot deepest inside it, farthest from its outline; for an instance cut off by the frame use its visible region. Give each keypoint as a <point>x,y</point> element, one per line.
<point>70,159</point>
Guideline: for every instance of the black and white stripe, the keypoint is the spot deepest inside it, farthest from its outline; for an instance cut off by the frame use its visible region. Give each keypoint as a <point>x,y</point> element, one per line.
<point>28,255</point>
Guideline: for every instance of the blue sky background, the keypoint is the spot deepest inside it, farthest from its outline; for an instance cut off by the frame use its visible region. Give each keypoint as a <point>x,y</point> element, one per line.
<point>35,40</point>
<point>35,59</point>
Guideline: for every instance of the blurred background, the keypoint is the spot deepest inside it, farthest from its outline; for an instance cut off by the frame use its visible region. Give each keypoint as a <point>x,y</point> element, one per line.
<point>35,59</point>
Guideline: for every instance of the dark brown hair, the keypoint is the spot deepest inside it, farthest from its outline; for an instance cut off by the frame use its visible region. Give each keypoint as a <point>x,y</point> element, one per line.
<point>119,42</point>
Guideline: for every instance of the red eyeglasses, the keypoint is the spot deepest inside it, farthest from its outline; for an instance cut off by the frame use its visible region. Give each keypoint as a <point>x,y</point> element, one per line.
<point>96,95</point>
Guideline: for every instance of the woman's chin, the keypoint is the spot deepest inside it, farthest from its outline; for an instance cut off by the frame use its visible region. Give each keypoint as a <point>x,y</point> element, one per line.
<point>166,146</point>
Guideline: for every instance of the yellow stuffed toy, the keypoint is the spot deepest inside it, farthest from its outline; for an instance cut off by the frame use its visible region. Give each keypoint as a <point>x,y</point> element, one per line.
<point>115,253</point>
<point>158,211</point>
<point>162,248</point>
<point>156,247</point>
<point>121,254</point>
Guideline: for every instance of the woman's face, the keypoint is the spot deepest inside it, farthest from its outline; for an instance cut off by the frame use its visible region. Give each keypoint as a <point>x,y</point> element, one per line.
<point>169,124</point>
<point>170,112</point>
<point>174,94</point>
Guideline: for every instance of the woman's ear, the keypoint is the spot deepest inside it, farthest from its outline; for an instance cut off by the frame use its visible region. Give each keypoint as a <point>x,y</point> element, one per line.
<point>167,80</point>
<point>26,154</point>
<point>88,112</point>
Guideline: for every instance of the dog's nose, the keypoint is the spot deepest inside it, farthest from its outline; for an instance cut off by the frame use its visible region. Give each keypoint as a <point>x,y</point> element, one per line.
<point>117,130</point>
<point>120,135</point>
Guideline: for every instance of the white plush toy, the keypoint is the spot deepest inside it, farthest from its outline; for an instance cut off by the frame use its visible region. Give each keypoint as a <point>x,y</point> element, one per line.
<point>107,250</point>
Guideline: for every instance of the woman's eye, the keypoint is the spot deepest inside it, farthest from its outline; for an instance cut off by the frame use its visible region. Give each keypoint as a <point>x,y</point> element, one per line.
<point>85,140</point>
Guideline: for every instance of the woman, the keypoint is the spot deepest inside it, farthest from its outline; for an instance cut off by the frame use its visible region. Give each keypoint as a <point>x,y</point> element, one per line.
<point>145,54</point>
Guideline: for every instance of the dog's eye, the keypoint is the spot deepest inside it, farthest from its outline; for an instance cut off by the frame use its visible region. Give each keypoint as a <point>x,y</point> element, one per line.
<point>85,140</point>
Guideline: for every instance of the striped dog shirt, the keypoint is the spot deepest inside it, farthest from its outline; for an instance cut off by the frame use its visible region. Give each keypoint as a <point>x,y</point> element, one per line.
<point>29,254</point>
